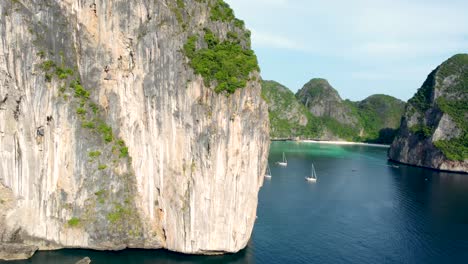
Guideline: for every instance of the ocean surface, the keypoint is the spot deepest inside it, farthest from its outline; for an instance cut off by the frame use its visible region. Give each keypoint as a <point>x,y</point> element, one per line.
<point>362,209</point>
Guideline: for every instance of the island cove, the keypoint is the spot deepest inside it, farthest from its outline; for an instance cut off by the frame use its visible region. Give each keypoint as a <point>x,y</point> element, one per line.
<point>318,112</point>
<point>430,131</point>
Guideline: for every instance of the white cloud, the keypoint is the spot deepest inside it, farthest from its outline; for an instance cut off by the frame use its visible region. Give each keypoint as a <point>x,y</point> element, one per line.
<point>268,40</point>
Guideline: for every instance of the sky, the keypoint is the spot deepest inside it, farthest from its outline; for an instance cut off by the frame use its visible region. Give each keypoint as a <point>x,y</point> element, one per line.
<point>361,47</point>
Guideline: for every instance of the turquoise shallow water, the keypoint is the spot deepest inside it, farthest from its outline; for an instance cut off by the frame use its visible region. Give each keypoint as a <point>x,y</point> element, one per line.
<point>361,210</point>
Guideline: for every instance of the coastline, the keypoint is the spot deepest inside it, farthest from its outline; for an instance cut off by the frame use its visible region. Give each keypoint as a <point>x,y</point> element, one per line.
<point>331,142</point>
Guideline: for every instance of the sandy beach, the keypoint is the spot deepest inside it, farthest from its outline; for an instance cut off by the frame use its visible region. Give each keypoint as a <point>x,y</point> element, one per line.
<point>344,143</point>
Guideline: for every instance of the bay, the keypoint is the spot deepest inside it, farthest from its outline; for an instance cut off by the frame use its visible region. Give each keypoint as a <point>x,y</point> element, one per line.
<point>362,209</point>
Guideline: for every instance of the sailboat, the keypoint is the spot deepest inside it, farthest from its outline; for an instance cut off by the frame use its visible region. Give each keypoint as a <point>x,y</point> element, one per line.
<point>313,177</point>
<point>268,172</point>
<point>283,163</point>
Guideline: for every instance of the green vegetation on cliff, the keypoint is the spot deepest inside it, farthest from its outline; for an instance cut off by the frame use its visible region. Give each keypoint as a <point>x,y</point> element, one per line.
<point>318,112</point>
<point>421,101</point>
<point>224,64</point>
<point>288,118</point>
<point>221,11</point>
<point>336,129</point>
<point>380,117</point>
<point>453,77</point>
<point>445,90</point>
<point>455,71</point>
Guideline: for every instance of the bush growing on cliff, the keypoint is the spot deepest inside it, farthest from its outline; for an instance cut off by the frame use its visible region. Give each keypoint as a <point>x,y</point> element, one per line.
<point>101,196</point>
<point>94,154</point>
<point>421,131</point>
<point>221,11</point>
<point>48,77</point>
<point>421,101</point>
<point>47,65</point>
<point>74,222</point>
<point>454,149</point>
<point>80,111</point>
<point>118,213</point>
<point>190,46</point>
<point>123,152</point>
<point>88,124</point>
<point>80,91</point>
<point>106,131</point>
<point>63,73</point>
<point>41,54</point>
<point>226,63</point>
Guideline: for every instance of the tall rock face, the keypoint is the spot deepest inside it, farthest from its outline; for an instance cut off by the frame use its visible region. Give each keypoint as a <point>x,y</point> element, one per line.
<point>323,100</point>
<point>288,117</point>
<point>434,128</point>
<point>110,137</point>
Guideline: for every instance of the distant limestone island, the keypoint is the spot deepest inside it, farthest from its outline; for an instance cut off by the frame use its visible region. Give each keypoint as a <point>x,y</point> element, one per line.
<point>434,128</point>
<point>318,112</point>
<point>430,131</point>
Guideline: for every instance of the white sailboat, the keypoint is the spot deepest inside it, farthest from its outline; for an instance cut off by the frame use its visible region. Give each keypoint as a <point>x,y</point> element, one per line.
<point>313,176</point>
<point>283,163</point>
<point>268,172</point>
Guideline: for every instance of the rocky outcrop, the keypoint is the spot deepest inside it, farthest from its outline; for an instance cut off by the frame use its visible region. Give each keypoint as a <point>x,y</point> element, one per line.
<point>109,140</point>
<point>434,129</point>
<point>13,251</point>
<point>323,100</point>
<point>288,117</point>
<point>85,260</point>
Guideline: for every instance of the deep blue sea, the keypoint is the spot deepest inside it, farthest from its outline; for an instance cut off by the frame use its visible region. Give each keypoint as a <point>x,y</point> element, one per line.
<point>361,210</point>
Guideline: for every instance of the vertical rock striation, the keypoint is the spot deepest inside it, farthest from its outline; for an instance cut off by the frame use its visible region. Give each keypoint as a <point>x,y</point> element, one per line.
<point>434,128</point>
<point>109,140</point>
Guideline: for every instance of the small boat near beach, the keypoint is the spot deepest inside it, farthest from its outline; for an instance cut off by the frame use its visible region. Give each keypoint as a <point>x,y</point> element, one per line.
<point>283,163</point>
<point>268,172</point>
<point>313,176</point>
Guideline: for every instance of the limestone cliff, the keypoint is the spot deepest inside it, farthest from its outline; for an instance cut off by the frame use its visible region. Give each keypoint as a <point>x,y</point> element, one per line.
<point>318,112</point>
<point>323,100</point>
<point>434,128</point>
<point>111,138</point>
<point>288,117</point>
